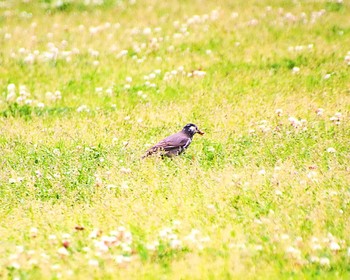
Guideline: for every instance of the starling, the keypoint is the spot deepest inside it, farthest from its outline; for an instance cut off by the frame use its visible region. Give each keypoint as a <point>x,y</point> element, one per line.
<point>175,144</point>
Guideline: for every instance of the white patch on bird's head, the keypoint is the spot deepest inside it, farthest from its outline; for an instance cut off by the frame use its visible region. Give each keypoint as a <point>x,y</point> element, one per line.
<point>193,128</point>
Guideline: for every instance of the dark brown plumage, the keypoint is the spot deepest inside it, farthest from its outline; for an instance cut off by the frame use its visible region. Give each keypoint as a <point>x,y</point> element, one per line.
<point>175,144</point>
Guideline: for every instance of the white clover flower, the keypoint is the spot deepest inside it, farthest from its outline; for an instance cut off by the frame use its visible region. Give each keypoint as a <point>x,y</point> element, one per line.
<point>83,108</point>
<point>262,172</point>
<point>295,70</point>
<point>314,259</point>
<point>151,247</point>
<point>98,89</point>
<point>122,53</point>
<point>331,150</point>
<point>93,262</point>
<point>211,149</point>
<point>316,247</point>
<point>234,15</point>
<point>124,185</point>
<point>293,251</point>
<point>125,170</point>
<point>12,180</point>
<point>319,111</point>
<point>278,192</point>
<point>11,87</point>
<point>334,246</point>
<point>52,237</point>
<point>33,232</point>
<point>63,252</point>
<point>175,244</point>
<point>258,247</point>
<point>11,96</point>
<point>324,261</point>
<point>119,259</point>
<point>101,246</point>
<point>15,265</point>
<point>279,112</point>
<point>198,73</point>
<point>40,105</point>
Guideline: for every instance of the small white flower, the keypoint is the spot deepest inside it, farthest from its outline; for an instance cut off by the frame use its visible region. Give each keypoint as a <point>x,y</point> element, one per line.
<point>262,172</point>
<point>258,247</point>
<point>125,170</point>
<point>95,233</point>
<point>284,236</point>
<point>278,192</point>
<point>293,251</point>
<point>12,180</point>
<point>52,237</point>
<point>211,149</point>
<point>279,112</point>
<point>147,31</point>
<point>198,73</point>
<point>327,76</point>
<point>314,259</point>
<point>15,265</point>
<point>55,267</point>
<point>56,152</point>
<point>295,70</point>
<point>119,259</point>
<point>234,15</point>
<point>175,243</point>
<point>33,232</point>
<point>312,174</point>
<point>338,115</point>
<point>83,108</point>
<point>11,87</point>
<point>151,247</point>
<point>40,105</point>
<point>334,246</point>
<point>324,261</point>
<point>211,206</point>
<point>99,89</point>
<point>331,150</point>
<point>63,251</point>
<point>319,111</point>
<point>93,262</point>
<point>124,185</point>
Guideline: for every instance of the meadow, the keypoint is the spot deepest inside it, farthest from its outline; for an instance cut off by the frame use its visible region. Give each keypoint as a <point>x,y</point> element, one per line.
<point>87,86</point>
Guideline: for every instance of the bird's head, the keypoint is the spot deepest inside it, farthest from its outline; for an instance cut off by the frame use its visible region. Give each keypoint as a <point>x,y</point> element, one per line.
<point>191,129</point>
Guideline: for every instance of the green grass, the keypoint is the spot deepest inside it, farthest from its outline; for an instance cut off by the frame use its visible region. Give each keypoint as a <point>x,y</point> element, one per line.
<point>264,194</point>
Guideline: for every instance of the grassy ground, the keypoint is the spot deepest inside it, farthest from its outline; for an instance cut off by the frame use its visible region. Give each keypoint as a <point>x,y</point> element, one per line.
<point>87,86</point>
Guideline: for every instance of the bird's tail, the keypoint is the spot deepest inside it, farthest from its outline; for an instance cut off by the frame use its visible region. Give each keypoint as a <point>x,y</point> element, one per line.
<point>149,152</point>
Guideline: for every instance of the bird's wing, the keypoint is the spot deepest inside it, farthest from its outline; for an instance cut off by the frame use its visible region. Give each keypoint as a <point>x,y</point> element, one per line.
<point>173,141</point>
<point>170,143</point>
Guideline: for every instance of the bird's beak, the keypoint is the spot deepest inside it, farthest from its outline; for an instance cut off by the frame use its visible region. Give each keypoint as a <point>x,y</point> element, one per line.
<point>200,132</point>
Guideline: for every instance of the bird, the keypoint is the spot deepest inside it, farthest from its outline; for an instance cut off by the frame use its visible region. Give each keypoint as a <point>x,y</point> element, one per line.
<point>175,144</point>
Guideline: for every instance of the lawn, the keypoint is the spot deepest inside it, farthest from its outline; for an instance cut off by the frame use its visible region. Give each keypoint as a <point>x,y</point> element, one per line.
<point>86,87</point>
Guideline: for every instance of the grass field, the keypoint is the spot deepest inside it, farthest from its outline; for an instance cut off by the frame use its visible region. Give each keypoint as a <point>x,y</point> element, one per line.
<point>86,87</point>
